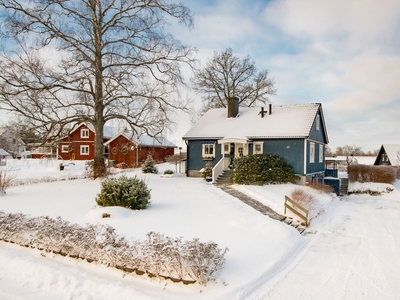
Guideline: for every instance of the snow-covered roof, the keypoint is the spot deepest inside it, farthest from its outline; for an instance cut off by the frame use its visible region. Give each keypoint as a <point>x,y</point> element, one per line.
<point>4,153</point>
<point>108,131</point>
<point>393,153</point>
<point>285,121</point>
<point>144,140</point>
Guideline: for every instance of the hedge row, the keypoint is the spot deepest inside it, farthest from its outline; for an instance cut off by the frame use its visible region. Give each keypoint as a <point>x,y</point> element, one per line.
<point>160,256</point>
<point>262,169</point>
<point>368,173</point>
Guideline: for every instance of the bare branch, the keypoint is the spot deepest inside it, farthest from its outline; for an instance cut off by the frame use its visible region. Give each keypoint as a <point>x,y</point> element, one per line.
<point>228,76</point>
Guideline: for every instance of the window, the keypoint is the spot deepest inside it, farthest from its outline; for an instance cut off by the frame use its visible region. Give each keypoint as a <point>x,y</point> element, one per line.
<point>240,151</point>
<point>312,152</point>
<point>258,148</point>
<point>321,153</point>
<point>208,151</point>
<point>227,148</point>
<point>85,133</point>
<point>84,150</point>
<point>64,148</point>
<point>317,121</point>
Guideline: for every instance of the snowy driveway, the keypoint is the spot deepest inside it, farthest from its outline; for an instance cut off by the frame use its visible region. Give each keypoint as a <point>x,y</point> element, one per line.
<point>355,256</point>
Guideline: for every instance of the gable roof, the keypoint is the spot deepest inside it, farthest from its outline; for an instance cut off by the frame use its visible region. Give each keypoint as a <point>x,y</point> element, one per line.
<point>144,140</point>
<point>392,151</point>
<point>108,131</point>
<point>285,121</point>
<point>4,153</point>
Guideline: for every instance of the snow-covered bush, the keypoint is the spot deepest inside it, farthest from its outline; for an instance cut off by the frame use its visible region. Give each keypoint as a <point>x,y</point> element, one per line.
<point>207,170</point>
<point>168,172</point>
<point>123,191</point>
<point>160,256</point>
<point>149,165</point>
<point>6,179</point>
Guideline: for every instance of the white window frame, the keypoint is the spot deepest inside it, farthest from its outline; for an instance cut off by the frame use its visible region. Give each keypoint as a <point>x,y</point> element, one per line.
<point>312,152</point>
<point>317,121</point>
<point>64,148</point>
<point>321,153</point>
<point>84,152</point>
<point>226,148</point>
<point>84,133</point>
<point>205,150</point>
<point>255,144</point>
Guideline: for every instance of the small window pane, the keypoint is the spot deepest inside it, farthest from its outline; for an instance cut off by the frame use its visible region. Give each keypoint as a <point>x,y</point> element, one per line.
<point>312,152</point>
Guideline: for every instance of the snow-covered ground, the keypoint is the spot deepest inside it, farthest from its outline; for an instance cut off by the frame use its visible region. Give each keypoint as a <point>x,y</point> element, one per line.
<point>350,250</point>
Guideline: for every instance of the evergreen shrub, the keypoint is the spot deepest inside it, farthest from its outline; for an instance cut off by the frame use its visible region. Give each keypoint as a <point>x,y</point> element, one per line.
<point>149,166</point>
<point>125,192</point>
<point>262,169</point>
<point>207,172</point>
<point>168,172</point>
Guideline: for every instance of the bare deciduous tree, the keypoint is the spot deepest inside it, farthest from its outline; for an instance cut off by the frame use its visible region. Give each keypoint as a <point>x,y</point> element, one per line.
<point>92,61</point>
<point>226,75</point>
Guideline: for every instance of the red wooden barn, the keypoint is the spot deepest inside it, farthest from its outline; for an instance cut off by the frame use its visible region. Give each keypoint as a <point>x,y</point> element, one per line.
<point>79,144</point>
<point>133,150</point>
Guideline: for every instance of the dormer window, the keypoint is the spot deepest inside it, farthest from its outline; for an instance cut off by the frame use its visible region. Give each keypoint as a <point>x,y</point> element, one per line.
<point>85,133</point>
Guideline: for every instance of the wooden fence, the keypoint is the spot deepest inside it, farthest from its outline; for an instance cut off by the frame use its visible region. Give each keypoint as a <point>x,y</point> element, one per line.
<point>296,209</point>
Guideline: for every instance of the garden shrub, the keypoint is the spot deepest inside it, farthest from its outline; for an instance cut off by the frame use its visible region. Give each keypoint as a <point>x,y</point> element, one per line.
<point>303,198</point>
<point>125,192</point>
<point>7,179</point>
<point>324,188</point>
<point>262,169</point>
<point>168,172</point>
<point>207,172</point>
<point>365,173</point>
<point>149,166</point>
<point>160,255</point>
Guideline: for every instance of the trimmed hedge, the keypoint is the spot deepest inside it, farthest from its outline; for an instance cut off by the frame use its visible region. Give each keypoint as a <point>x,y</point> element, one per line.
<point>161,256</point>
<point>123,191</point>
<point>262,169</point>
<point>367,173</point>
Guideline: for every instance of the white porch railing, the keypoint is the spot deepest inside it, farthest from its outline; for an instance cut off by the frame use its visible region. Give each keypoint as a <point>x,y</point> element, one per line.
<point>220,167</point>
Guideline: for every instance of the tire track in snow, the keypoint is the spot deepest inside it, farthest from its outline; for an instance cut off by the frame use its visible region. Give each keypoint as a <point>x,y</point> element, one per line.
<point>380,251</point>
<point>348,260</point>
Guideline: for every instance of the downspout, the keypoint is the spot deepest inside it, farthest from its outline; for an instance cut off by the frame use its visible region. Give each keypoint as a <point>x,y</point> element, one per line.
<point>187,159</point>
<point>305,157</point>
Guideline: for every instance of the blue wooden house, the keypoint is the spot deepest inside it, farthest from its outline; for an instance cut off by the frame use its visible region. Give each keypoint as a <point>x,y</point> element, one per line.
<point>295,132</point>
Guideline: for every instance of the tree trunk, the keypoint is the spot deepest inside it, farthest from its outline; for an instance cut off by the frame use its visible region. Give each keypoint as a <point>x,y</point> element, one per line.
<point>99,168</point>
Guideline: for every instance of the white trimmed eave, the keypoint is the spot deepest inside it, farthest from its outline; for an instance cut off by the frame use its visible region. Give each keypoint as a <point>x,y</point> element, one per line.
<point>233,140</point>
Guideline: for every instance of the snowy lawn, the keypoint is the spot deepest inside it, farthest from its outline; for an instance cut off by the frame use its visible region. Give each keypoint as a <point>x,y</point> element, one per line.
<point>266,258</point>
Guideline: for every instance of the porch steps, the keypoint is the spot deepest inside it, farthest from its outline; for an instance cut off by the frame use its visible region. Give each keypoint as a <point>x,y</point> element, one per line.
<point>264,209</point>
<point>224,178</point>
<point>344,186</point>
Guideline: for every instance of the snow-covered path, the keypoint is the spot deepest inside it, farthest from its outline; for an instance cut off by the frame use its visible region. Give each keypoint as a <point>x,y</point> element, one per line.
<point>364,234</point>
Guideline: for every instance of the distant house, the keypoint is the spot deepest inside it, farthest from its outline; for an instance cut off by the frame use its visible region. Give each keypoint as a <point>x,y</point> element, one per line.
<point>295,132</point>
<point>11,142</point>
<point>389,154</point>
<point>39,150</point>
<point>4,155</point>
<point>79,144</point>
<point>132,150</point>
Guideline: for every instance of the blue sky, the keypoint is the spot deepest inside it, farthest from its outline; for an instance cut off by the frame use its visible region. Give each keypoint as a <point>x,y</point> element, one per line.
<point>343,54</point>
